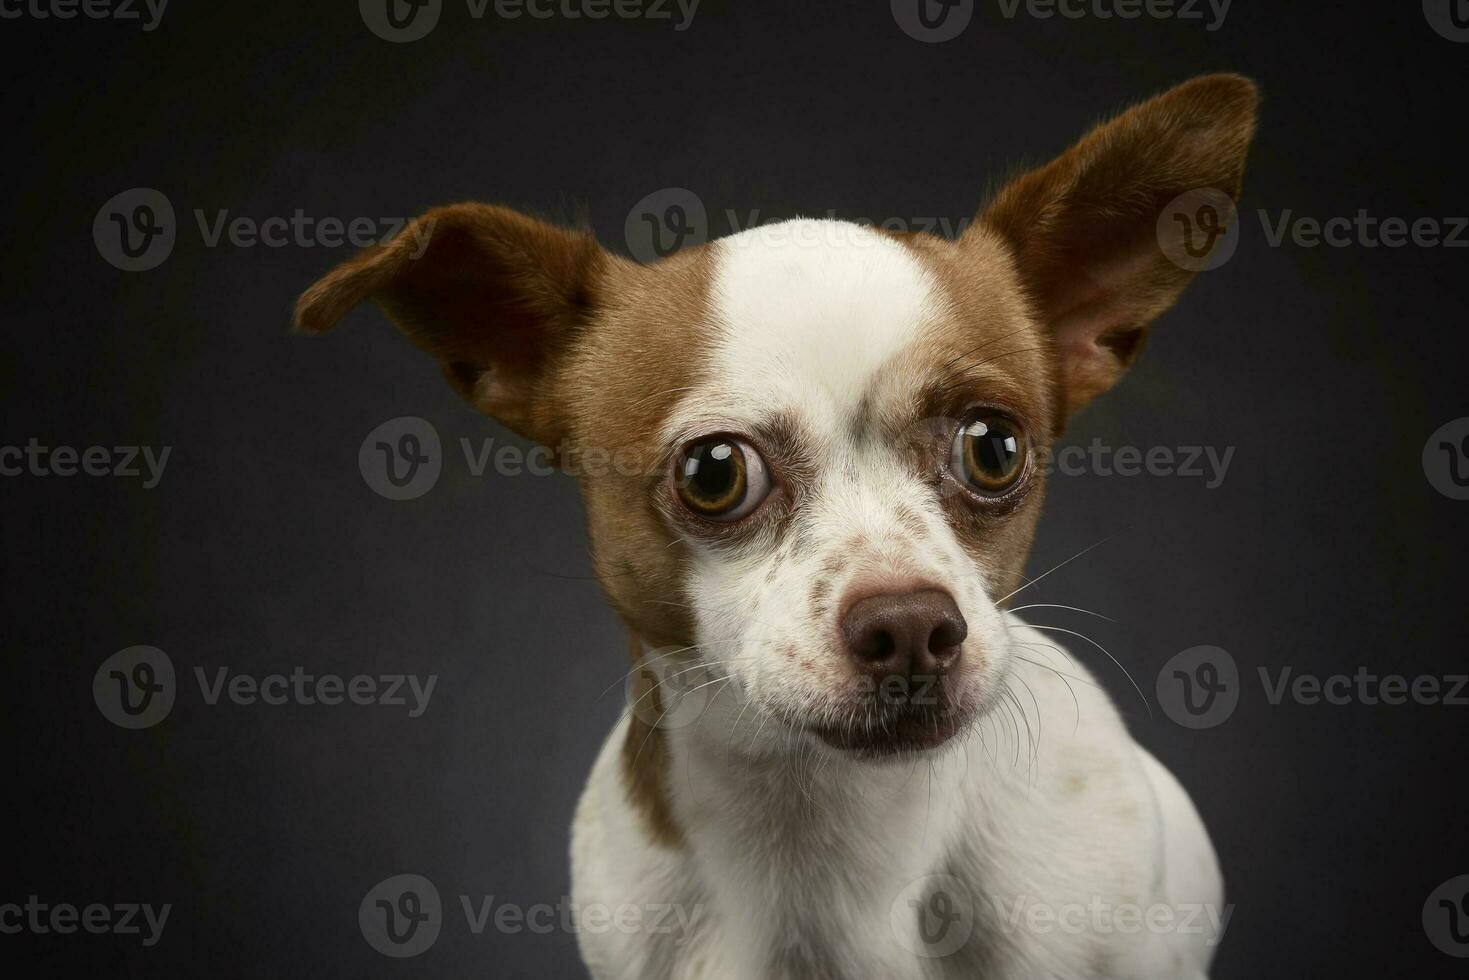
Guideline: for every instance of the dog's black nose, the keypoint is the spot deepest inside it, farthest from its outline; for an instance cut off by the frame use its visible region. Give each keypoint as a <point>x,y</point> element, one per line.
<point>904,635</point>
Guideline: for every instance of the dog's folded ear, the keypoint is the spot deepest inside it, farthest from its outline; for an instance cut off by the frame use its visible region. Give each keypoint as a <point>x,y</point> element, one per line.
<point>1097,248</point>
<point>496,296</point>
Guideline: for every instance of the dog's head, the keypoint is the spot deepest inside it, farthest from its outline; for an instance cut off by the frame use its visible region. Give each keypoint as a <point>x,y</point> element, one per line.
<point>809,452</point>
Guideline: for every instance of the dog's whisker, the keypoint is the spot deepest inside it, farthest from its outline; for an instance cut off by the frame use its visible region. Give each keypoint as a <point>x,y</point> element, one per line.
<point>1030,739</point>
<point>1053,605</point>
<point>1135,687</point>
<point>1074,700</point>
<point>1032,645</point>
<point>1039,721</point>
<point>1055,568</point>
<point>673,653</point>
<point>642,662</point>
<point>655,688</point>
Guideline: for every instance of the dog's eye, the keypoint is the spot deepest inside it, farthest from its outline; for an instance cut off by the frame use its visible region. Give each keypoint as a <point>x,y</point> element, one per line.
<point>722,479</point>
<point>989,454</point>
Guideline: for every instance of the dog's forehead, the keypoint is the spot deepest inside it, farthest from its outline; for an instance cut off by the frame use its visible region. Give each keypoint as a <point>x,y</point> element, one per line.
<point>812,316</point>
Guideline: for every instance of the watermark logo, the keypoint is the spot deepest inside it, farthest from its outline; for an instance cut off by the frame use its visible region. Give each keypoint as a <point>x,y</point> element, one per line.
<point>402,916</point>
<point>123,462</point>
<point>1364,687</point>
<point>665,692</point>
<point>123,10</point>
<point>664,222</point>
<point>404,21</point>
<point>1199,688</point>
<point>1446,460</point>
<point>1122,10</point>
<point>1100,917</point>
<point>63,918</point>
<point>1450,18</point>
<point>1208,464</point>
<point>675,218</point>
<point>1446,917</point>
<point>1197,231</point>
<point>305,689</point>
<point>933,917</point>
<point>402,458</point>
<point>135,688</point>
<point>933,21</point>
<point>136,230</point>
<point>1363,230</point>
<point>401,21</point>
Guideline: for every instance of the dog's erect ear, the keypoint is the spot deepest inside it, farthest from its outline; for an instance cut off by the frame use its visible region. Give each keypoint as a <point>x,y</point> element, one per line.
<point>1090,232</point>
<point>496,296</point>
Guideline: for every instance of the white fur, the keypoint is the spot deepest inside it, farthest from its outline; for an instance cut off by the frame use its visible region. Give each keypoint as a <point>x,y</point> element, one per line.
<point>811,311</point>
<point>795,854</point>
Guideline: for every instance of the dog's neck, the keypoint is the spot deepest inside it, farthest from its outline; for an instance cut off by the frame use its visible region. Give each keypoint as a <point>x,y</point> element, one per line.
<point>807,842</point>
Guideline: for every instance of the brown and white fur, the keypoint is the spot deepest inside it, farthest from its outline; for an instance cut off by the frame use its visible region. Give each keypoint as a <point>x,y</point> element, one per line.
<point>842,355</point>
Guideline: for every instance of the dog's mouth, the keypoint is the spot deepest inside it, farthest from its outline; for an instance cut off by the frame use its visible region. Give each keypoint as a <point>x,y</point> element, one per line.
<point>906,731</point>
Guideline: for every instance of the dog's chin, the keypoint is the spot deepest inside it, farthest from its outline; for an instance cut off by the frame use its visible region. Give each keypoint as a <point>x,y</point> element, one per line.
<point>906,734</point>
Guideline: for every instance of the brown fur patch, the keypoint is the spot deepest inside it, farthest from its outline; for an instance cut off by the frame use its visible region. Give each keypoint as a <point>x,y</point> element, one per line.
<point>496,296</point>
<point>820,592</point>
<point>985,349</point>
<point>617,389</point>
<point>645,765</point>
<point>1083,228</point>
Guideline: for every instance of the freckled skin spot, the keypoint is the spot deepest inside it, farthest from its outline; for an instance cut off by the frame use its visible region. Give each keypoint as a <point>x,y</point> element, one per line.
<point>1076,785</point>
<point>834,566</point>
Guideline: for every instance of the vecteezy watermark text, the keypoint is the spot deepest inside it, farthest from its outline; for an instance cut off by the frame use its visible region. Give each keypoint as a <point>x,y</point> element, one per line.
<point>63,919</point>
<point>1201,688</point>
<point>1099,917</point>
<point>301,687</point>
<point>937,21</point>
<point>1211,12</point>
<point>137,230</point>
<point>123,10</point>
<point>34,459</point>
<point>1208,463</point>
<point>1364,687</point>
<point>674,218</point>
<point>403,916</point>
<point>1363,230</point>
<point>405,21</point>
<point>137,688</point>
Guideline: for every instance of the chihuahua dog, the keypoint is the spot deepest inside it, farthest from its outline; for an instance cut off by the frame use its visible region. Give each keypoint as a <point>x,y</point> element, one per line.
<point>829,441</point>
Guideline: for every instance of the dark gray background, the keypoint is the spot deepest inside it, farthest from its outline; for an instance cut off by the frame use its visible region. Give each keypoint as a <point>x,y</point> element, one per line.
<point>1325,549</point>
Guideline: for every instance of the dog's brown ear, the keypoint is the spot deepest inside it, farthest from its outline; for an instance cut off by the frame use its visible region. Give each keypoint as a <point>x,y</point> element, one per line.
<point>1096,249</point>
<point>497,297</point>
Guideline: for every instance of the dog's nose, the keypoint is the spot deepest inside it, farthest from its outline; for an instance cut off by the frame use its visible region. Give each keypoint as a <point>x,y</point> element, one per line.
<point>908,635</point>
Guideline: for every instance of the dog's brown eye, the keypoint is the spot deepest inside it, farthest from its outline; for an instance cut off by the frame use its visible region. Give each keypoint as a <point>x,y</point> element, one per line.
<point>721,479</point>
<point>989,454</point>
